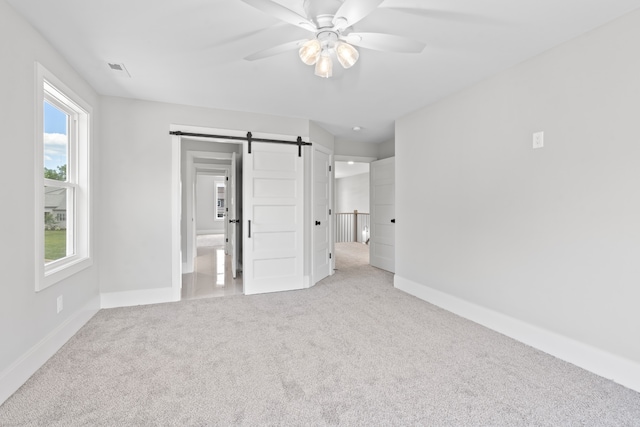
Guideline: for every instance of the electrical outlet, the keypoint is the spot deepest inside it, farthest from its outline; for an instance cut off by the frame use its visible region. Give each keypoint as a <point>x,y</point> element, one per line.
<point>59,301</point>
<point>538,140</point>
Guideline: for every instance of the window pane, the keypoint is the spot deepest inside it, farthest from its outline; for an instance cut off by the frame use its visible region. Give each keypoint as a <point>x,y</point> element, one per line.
<point>56,142</point>
<point>220,197</point>
<point>57,241</point>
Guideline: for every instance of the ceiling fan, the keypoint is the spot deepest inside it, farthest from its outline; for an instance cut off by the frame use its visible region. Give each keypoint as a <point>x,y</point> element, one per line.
<point>331,23</point>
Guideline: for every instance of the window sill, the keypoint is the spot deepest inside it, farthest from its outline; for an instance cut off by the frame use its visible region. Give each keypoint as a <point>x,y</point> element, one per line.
<point>62,271</point>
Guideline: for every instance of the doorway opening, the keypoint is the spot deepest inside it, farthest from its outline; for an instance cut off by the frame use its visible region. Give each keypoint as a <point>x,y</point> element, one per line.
<point>274,235</point>
<point>352,218</point>
<point>211,181</point>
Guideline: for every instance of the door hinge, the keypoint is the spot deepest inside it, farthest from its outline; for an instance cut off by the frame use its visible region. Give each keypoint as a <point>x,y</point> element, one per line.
<point>329,255</point>
<point>329,211</point>
<point>227,240</point>
<point>227,178</point>
<point>329,168</point>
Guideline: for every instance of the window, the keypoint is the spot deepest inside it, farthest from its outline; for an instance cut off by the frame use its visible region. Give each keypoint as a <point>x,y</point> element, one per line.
<point>62,181</point>
<point>220,197</point>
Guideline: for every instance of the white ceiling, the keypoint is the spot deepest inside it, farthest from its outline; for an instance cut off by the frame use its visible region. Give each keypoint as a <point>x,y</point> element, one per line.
<point>191,52</point>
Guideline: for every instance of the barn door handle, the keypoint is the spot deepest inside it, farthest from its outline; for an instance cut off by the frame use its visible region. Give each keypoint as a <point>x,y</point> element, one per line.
<point>317,222</point>
<point>393,220</point>
<point>249,228</point>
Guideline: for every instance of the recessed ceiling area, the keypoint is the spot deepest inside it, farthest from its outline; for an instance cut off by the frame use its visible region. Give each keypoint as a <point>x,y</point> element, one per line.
<point>193,52</point>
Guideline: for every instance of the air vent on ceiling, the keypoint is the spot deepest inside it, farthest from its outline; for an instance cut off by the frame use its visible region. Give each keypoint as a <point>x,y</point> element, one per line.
<point>119,68</point>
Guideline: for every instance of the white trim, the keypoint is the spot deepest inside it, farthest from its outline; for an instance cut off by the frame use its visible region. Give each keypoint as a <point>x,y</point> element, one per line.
<point>139,297</point>
<point>357,159</point>
<point>177,266</point>
<point>621,370</point>
<point>12,378</point>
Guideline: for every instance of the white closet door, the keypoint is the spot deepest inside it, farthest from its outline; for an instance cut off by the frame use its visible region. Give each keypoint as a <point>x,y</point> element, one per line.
<point>383,213</point>
<point>321,219</point>
<point>273,218</point>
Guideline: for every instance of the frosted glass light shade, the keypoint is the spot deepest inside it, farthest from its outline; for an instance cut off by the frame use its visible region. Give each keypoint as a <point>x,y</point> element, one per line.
<point>309,51</point>
<point>324,66</point>
<point>347,54</point>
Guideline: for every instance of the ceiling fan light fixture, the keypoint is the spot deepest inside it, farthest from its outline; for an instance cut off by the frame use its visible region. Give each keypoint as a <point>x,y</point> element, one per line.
<point>309,51</point>
<point>347,54</point>
<point>324,66</point>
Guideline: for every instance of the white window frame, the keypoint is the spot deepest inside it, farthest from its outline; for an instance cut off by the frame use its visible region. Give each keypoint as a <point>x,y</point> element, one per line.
<point>78,165</point>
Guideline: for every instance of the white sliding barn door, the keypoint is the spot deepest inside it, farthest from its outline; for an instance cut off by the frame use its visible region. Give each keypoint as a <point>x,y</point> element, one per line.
<point>273,232</point>
<point>383,213</point>
<point>321,262</point>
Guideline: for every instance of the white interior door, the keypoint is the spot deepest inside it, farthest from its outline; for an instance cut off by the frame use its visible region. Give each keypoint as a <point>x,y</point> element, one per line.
<point>383,214</point>
<point>227,215</point>
<point>273,232</point>
<point>232,217</point>
<point>321,263</point>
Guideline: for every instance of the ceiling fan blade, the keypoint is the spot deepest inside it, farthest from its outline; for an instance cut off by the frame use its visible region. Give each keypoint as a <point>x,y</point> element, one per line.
<point>385,42</point>
<point>276,50</point>
<point>353,11</point>
<point>282,13</point>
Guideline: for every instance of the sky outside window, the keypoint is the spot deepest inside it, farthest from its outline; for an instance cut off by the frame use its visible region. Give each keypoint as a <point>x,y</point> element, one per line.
<point>56,139</point>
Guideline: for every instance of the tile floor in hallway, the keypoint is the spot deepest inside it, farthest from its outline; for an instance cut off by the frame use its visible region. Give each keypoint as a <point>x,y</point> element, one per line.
<point>212,272</point>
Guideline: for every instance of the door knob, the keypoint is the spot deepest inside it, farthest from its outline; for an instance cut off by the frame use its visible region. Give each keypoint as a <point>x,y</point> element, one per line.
<point>317,222</point>
<point>393,220</point>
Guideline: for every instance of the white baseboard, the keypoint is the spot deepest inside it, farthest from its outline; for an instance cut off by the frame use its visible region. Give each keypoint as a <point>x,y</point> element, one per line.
<point>139,297</point>
<point>21,370</point>
<point>621,370</point>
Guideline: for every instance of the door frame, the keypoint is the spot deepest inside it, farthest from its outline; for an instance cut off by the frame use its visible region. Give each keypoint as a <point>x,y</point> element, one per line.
<point>332,266</point>
<point>176,186</point>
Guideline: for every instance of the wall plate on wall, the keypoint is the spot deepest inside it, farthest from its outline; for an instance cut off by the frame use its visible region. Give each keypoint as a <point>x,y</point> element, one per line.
<point>538,140</point>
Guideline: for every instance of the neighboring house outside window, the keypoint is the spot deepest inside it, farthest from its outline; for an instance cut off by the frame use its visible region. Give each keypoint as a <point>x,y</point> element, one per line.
<point>62,181</point>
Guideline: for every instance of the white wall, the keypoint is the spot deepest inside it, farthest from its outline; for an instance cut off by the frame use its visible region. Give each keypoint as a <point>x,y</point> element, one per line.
<point>356,149</point>
<point>318,135</point>
<point>135,240</point>
<point>206,204</point>
<point>386,149</point>
<point>550,237</point>
<point>352,193</point>
<point>30,329</point>
<point>365,149</point>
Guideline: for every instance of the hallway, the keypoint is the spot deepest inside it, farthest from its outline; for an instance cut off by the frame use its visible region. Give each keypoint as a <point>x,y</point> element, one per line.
<point>212,271</point>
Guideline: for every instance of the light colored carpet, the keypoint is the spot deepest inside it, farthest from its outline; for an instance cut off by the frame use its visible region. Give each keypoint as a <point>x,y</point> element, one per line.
<point>350,351</point>
<point>351,255</point>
